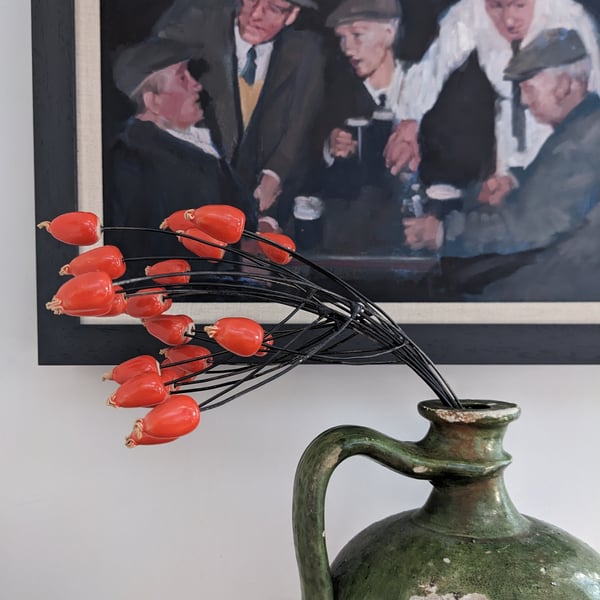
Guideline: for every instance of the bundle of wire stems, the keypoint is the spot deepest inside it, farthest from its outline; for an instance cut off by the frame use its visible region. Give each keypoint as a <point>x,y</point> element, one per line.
<point>339,316</point>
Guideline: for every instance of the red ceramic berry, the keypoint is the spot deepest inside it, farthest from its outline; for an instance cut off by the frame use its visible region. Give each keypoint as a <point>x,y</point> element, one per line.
<point>145,439</point>
<point>239,335</point>
<point>176,221</point>
<point>267,343</point>
<point>175,417</point>
<point>176,374</point>
<point>281,256</point>
<point>164,267</point>
<point>88,294</point>
<point>173,330</point>
<point>221,221</point>
<point>78,228</point>
<point>104,258</point>
<point>149,302</point>
<point>194,240</point>
<point>119,303</point>
<point>200,358</point>
<point>146,389</point>
<point>170,377</point>
<point>132,367</point>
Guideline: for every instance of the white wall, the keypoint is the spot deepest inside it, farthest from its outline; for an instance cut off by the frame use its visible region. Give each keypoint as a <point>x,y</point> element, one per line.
<point>83,518</point>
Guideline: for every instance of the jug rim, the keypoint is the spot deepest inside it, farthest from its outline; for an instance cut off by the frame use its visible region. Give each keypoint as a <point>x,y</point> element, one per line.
<point>473,412</point>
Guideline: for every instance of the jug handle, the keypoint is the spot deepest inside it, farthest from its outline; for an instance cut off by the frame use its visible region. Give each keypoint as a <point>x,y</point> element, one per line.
<point>314,470</point>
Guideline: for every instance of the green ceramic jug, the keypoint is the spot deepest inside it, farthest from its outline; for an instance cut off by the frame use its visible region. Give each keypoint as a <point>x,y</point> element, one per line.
<point>468,542</point>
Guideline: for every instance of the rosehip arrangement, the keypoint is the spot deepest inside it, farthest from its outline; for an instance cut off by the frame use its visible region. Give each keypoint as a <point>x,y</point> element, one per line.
<point>261,268</point>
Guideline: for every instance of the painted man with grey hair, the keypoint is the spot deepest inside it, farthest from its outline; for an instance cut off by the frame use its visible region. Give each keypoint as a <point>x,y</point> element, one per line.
<point>163,161</point>
<point>560,190</point>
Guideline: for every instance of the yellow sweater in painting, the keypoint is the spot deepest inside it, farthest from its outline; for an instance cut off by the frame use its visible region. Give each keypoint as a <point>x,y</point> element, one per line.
<point>249,95</point>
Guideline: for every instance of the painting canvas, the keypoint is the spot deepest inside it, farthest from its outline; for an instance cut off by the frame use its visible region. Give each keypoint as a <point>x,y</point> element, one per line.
<point>307,157</point>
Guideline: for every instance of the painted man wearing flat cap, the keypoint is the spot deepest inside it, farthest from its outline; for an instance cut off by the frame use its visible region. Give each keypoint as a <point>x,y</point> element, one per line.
<point>367,82</point>
<point>495,30</point>
<point>162,162</point>
<point>265,83</point>
<point>552,216</point>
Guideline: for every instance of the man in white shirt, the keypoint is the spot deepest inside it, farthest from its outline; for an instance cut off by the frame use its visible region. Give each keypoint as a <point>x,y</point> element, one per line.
<point>495,29</point>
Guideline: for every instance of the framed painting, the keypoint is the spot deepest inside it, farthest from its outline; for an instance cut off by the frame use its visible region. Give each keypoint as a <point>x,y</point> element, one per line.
<point>80,109</point>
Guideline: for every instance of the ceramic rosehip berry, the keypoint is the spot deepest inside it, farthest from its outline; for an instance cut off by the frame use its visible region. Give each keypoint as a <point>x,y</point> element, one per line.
<point>197,358</point>
<point>145,439</point>
<point>172,378</point>
<point>177,416</point>
<point>132,367</point>
<point>78,228</point>
<point>173,330</point>
<point>239,335</point>
<point>176,221</point>
<point>146,389</point>
<point>148,302</point>
<point>202,244</point>
<point>119,303</point>
<point>267,343</point>
<point>177,370</point>
<point>88,294</point>
<point>221,221</point>
<point>281,256</point>
<point>172,267</point>
<point>104,258</point>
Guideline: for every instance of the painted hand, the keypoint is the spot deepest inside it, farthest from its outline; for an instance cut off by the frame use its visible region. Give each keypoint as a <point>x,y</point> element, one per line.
<point>422,232</point>
<point>267,191</point>
<point>494,190</point>
<point>341,144</point>
<point>402,148</point>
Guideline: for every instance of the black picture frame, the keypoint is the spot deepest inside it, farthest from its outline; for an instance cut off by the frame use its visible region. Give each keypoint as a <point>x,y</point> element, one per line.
<point>63,340</point>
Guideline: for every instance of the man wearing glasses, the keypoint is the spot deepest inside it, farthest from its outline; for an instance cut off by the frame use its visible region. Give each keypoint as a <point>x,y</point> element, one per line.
<point>265,82</point>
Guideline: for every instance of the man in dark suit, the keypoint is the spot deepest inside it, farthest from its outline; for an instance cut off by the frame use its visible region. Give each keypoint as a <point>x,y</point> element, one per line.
<point>264,80</point>
<point>162,163</point>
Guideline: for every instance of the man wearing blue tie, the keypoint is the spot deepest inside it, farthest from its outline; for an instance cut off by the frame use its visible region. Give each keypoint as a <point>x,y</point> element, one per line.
<point>265,82</point>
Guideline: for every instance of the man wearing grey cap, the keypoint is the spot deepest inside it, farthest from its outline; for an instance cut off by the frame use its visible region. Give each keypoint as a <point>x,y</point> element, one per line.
<point>367,30</point>
<point>265,82</point>
<point>496,30</point>
<point>162,162</point>
<point>559,190</point>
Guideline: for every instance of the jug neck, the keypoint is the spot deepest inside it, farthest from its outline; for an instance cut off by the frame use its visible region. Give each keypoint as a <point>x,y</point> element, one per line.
<point>472,500</point>
<point>474,433</point>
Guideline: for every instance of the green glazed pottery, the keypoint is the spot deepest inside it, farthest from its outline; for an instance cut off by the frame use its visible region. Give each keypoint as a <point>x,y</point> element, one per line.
<point>468,542</point>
